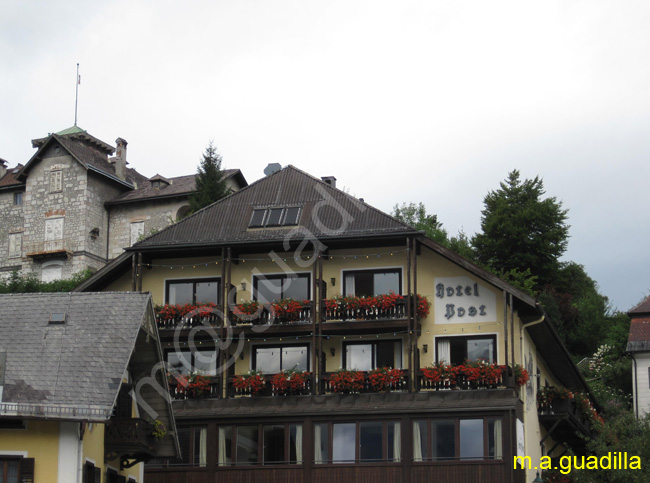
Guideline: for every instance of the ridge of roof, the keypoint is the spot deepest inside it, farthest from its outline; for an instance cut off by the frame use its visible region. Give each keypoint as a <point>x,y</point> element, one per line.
<point>284,187</point>
<point>642,307</point>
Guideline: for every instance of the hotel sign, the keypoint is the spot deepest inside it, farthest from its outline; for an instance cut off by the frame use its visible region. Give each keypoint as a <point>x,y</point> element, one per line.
<point>461,300</point>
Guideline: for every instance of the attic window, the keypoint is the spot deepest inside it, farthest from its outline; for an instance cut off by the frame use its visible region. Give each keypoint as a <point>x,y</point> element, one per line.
<point>57,318</point>
<point>285,216</point>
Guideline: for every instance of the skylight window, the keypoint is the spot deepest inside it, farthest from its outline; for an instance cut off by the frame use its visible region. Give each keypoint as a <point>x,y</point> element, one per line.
<point>285,216</point>
<point>57,318</point>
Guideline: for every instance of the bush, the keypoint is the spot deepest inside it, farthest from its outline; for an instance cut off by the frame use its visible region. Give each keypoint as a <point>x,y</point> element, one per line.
<point>29,283</point>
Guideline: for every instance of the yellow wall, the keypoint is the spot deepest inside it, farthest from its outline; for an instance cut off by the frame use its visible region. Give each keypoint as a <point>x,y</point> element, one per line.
<point>41,441</point>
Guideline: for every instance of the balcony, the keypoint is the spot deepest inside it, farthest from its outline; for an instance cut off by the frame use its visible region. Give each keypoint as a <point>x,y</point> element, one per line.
<point>567,416</point>
<point>50,248</point>
<point>130,439</point>
<point>343,314</point>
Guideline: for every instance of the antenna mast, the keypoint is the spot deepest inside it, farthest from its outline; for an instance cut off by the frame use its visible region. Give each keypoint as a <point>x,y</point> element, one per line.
<point>76,95</point>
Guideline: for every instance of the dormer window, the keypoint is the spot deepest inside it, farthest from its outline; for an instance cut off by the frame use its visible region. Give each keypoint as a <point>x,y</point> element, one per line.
<point>155,185</point>
<point>269,217</point>
<point>159,182</point>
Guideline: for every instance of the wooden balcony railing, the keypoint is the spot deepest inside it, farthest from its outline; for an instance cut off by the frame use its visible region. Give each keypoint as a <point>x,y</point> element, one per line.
<point>344,314</point>
<point>267,390</point>
<point>178,391</point>
<point>457,382</point>
<point>267,317</point>
<point>129,435</point>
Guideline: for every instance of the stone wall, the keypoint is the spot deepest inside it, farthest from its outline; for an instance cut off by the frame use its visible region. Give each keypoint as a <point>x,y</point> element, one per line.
<point>12,222</point>
<point>155,215</point>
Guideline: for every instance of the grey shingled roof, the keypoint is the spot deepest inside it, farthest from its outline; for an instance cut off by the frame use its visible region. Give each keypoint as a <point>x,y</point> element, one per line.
<point>226,221</point>
<point>180,186</point>
<point>76,365</point>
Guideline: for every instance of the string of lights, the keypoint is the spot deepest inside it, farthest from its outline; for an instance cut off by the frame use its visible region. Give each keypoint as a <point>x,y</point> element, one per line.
<point>274,259</point>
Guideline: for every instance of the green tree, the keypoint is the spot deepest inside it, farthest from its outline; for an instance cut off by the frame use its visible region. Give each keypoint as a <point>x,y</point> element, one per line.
<point>417,217</point>
<point>210,183</point>
<point>521,229</point>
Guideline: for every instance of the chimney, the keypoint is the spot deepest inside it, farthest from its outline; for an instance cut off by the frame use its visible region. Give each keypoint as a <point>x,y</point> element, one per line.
<point>120,158</point>
<point>330,180</point>
<point>3,167</point>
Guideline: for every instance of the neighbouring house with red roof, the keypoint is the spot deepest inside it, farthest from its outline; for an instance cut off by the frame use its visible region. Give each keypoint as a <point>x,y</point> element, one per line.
<point>638,344</point>
<point>75,206</point>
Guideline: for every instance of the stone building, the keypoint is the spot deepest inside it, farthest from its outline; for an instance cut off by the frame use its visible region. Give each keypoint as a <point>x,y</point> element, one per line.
<point>75,206</point>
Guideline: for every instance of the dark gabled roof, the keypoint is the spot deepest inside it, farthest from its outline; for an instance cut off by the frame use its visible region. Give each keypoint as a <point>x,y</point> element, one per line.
<point>89,151</point>
<point>9,179</point>
<point>641,308</point>
<point>326,213</point>
<point>179,186</point>
<point>78,364</point>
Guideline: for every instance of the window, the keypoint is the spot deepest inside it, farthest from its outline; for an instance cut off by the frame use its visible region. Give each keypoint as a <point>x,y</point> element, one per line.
<point>369,283</point>
<point>184,362</point>
<point>268,288</point>
<point>282,216</point>
<point>272,360</point>
<point>56,181</point>
<point>15,245</point>
<point>455,350</point>
<point>91,474</point>
<point>457,439</point>
<point>267,444</point>
<point>366,356</point>
<point>51,271</point>
<point>357,442</point>
<point>193,291</point>
<point>18,198</point>
<point>15,469</point>
<point>53,234</point>
<point>137,231</point>
<point>193,444</point>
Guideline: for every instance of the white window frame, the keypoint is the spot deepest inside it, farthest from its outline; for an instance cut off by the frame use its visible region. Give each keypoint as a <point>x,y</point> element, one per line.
<point>56,181</point>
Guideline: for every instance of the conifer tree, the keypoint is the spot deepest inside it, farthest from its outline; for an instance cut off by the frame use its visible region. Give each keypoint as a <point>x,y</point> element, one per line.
<point>210,182</point>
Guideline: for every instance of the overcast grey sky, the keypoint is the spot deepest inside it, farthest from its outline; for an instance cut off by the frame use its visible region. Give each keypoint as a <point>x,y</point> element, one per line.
<point>432,101</point>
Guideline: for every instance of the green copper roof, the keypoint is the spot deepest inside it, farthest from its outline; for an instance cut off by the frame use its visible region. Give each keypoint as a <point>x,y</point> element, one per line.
<point>71,130</point>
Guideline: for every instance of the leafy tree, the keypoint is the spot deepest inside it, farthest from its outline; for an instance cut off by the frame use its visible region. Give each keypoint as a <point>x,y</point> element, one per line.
<point>417,217</point>
<point>210,183</point>
<point>521,230</point>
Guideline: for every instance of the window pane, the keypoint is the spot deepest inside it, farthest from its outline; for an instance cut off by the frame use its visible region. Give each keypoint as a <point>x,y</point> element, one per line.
<point>443,439</point>
<point>247,439</point>
<point>385,282</point>
<point>180,293</point>
<point>321,439</point>
<point>291,216</point>
<point>370,441</point>
<point>180,361</point>
<point>12,472</point>
<point>480,349</point>
<point>386,352</point>
<point>343,447</point>
<point>274,444</point>
<point>258,218</point>
<point>206,361</point>
<point>268,359</point>
<point>359,357</point>
<point>274,217</point>
<point>393,442</point>
<point>207,292</point>
<point>295,444</point>
<point>363,284</point>
<point>296,288</point>
<point>471,438</point>
<point>495,439</point>
<point>419,440</point>
<point>268,290</point>
<point>200,439</point>
<point>295,358</point>
<point>225,445</point>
